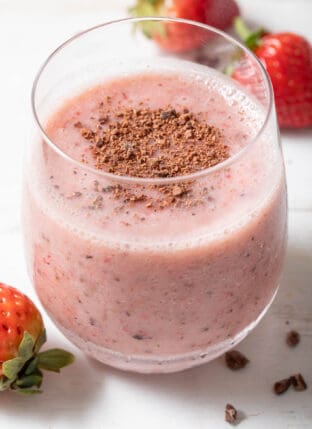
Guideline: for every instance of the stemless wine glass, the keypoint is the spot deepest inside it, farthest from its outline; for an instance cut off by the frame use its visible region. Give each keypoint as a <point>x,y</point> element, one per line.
<point>136,282</point>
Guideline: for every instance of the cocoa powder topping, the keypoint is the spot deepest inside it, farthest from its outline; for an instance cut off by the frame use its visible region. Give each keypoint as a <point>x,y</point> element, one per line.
<point>147,143</point>
<point>155,143</point>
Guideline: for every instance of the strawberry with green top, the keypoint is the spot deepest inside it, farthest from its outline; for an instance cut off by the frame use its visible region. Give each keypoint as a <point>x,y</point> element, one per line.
<point>22,334</point>
<point>287,58</point>
<point>175,37</point>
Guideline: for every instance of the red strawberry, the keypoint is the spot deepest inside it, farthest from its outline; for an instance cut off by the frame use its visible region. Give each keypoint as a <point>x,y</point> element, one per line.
<point>220,13</point>
<point>176,37</point>
<point>21,336</point>
<point>287,58</point>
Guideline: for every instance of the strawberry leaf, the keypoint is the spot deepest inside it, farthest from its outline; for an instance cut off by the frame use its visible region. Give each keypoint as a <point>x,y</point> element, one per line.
<point>26,346</point>
<point>148,8</point>
<point>228,70</point>
<point>31,366</point>
<point>241,29</point>
<point>54,359</point>
<point>12,367</point>
<point>252,39</point>
<point>42,338</point>
<point>22,374</point>
<point>29,381</point>
<point>153,28</point>
<point>5,383</point>
<point>27,391</point>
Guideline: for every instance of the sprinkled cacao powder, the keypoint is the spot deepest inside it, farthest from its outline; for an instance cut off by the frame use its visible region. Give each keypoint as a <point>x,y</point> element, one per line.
<point>147,143</point>
<point>235,360</point>
<point>155,143</point>
<point>160,143</point>
<point>293,338</point>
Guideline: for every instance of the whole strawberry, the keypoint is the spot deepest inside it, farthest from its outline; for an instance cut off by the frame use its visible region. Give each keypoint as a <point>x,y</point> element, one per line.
<point>176,37</point>
<point>21,336</point>
<point>287,58</point>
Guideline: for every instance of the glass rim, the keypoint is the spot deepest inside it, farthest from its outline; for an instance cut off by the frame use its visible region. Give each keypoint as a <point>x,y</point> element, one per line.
<point>140,180</point>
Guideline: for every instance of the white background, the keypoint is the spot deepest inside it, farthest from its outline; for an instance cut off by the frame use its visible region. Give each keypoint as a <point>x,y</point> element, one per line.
<point>91,395</point>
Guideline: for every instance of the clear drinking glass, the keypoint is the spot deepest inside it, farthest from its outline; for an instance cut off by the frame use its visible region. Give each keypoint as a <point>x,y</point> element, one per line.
<point>150,286</point>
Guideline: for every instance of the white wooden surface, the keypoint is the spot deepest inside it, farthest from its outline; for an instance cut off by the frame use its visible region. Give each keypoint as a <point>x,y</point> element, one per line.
<point>94,396</point>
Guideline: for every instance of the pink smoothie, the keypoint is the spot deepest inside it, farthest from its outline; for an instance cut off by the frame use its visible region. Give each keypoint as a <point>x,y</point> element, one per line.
<point>149,289</point>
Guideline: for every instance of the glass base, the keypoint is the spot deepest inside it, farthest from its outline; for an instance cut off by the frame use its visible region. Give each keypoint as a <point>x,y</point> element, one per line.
<point>161,364</point>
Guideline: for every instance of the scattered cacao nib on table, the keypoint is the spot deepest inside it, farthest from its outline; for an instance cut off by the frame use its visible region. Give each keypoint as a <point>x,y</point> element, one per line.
<point>235,360</point>
<point>282,386</point>
<point>296,381</point>
<point>230,413</point>
<point>293,338</point>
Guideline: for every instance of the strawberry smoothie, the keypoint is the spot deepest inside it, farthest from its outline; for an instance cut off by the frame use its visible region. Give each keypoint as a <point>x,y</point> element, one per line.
<point>151,287</point>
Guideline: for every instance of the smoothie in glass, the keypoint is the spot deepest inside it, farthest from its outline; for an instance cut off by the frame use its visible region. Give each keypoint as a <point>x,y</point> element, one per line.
<point>156,270</point>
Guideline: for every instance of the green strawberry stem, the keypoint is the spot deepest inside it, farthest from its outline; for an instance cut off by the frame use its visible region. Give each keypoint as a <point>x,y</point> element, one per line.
<point>252,39</point>
<point>144,8</point>
<point>241,28</point>
<point>23,373</point>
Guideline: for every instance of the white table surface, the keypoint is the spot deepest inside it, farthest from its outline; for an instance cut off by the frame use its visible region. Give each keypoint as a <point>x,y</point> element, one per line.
<point>91,395</point>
